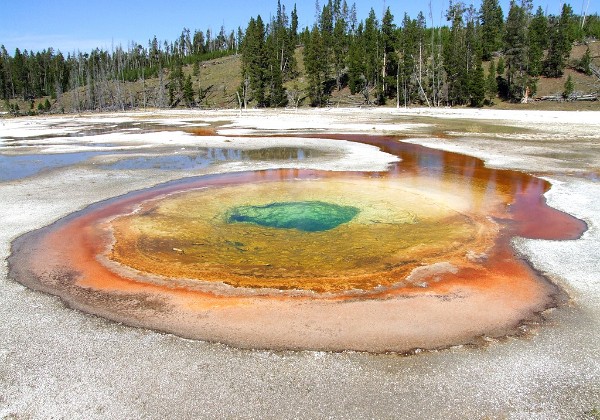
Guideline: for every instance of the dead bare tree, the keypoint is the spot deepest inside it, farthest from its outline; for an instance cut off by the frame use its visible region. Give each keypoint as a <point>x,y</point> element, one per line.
<point>160,95</point>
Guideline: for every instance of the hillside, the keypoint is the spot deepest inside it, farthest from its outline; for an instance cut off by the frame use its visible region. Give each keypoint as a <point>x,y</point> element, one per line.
<point>583,83</point>
<point>215,83</point>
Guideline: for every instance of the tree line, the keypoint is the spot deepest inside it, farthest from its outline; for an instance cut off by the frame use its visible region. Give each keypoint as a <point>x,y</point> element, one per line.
<point>380,59</point>
<point>99,79</point>
<point>410,62</point>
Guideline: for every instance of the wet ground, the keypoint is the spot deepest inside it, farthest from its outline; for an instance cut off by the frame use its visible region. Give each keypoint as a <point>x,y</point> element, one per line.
<point>50,353</point>
<point>429,236</point>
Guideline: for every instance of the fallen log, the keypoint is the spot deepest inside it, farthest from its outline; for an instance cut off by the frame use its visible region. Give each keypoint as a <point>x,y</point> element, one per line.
<point>587,98</point>
<point>557,98</point>
<point>560,98</point>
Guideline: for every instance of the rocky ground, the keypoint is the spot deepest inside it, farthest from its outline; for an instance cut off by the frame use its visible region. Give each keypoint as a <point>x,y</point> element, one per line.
<point>59,363</point>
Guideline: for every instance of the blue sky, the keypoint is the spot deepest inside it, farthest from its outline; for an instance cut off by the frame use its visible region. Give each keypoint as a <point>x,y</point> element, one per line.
<point>71,25</point>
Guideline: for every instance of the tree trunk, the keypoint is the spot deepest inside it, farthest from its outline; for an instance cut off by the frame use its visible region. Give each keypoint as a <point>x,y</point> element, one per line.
<point>398,86</point>
<point>144,87</point>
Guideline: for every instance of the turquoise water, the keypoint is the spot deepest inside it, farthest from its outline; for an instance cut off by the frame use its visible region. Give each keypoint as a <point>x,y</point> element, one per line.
<point>307,216</point>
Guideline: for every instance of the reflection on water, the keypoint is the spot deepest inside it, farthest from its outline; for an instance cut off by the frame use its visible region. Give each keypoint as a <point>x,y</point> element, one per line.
<point>13,167</point>
<point>204,157</point>
<point>527,204</point>
<point>173,162</point>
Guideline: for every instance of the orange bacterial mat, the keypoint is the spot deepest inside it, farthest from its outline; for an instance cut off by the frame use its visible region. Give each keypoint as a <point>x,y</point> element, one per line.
<point>418,256</point>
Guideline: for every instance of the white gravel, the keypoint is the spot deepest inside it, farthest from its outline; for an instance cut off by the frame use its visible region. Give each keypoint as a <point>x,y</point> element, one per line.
<point>60,363</point>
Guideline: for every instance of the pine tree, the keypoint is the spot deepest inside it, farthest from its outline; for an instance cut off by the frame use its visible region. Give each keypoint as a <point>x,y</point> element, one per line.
<point>569,87</point>
<point>171,94</point>
<point>326,26</point>
<point>19,75</point>
<point>176,82</point>
<point>276,94</point>
<point>294,27</point>
<point>281,44</point>
<point>515,51</point>
<point>538,41</point>
<point>316,67</point>
<point>340,48</point>
<point>356,66</point>
<point>477,85</point>
<point>455,57</point>
<point>3,86</point>
<point>188,91</point>
<point>585,63</point>
<point>500,67</point>
<point>389,59</point>
<point>492,21</point>
<point>491,82</point>
<point>409,76</point>
<point>255,61</point>
<point>591,26</point>
<point>560,44</point>
<point>372,58</point>
<point>8,89</point>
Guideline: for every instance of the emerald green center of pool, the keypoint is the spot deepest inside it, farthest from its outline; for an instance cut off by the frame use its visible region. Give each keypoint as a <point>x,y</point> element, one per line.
<point>307,216</point>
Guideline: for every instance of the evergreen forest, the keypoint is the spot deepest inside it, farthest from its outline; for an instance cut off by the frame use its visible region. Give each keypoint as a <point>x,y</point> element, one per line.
<point>481,54</point>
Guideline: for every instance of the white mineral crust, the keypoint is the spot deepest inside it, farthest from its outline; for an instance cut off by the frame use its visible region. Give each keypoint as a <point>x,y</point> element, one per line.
<point>59,363</point>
